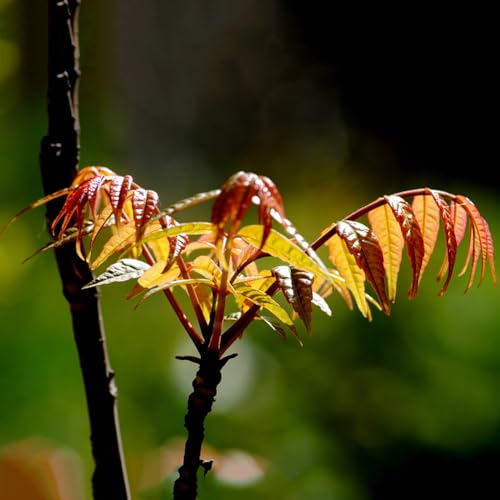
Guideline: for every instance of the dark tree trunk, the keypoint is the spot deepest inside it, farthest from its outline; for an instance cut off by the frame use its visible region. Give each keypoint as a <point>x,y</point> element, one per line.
<point>59,158</point>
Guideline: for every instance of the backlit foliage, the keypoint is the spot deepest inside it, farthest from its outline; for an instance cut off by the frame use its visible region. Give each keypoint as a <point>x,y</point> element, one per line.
<point>219,263</point>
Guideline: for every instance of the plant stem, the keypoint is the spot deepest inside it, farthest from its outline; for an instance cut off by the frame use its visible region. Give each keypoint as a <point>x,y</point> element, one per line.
<point>59,158</point>
<point>200,403</point>
<point>192,296</point>
<point>198,341</point>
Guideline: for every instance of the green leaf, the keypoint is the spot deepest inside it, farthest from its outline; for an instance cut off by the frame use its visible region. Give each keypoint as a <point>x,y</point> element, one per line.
<point>123,237</point>
<point>190,228</point>
<point>281,247</point>
<point>123,270</point>
<point>263,300</point>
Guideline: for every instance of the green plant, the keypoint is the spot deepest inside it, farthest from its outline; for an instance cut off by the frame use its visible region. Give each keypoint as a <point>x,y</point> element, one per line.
<point>220,263</point>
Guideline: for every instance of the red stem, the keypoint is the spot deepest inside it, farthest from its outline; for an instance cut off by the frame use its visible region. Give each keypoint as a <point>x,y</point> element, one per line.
<point>193,334</point>
<point>192,296</point>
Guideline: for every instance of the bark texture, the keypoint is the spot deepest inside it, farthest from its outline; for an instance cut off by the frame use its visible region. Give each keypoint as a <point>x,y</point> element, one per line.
<point>59,159</point>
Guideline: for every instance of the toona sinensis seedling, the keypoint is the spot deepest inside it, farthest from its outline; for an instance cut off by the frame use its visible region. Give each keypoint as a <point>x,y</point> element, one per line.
<point>109,217</point>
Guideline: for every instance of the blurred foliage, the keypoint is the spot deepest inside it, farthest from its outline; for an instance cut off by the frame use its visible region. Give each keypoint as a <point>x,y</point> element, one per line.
<point>326,421</point>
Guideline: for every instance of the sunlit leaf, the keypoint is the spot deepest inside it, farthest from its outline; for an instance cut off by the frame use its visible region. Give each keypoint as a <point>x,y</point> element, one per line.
<point>157,276</point>
<point>205,300</point>
<point>281,247</point>
<point>144,205</point>
<point>91,171</point>
<point>161,247</point>
<point>236,196</point>
<point>364,247</point>
<point>262,299</point>
<point>491,253</point>
<point>296,286</point>
<point>207,267</point>
<point>123,238</point>
<point>449,232</point>
<point>475,251</point>
<point>481,241</point>
<point>104,219</point>
<point>123,270</point>
<point>412,235</point>
<point>74,205</point>
<point>176,243</point>
<point>243,255</point>
<point>260,281</point>
<point>93,193</point>
<point>388,232</point>
<point>118,191</point>
<point>459,219</point>
<point>174,283</point>
<point>427,214</point>
<point>353,275</point>
<point>189,228</point>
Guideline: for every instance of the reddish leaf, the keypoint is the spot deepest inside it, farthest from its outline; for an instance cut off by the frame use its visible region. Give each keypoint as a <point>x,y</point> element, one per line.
<point>480,243</point>
<point>176,244</point>
<point>412,236</point>
<point>428,216</point>
<point>459,220</point>
<point>364,247</point>
<point>238,193</point>
<point>449,232</point>
<point>144,205</point>
<point>296,286</point>
<point>75,202</point>
<point>86,192</point>
<point>94,193</point>
<point>491,253</point>
<point>243,255</point>
<point>118,191</point>
<point>90,172</point>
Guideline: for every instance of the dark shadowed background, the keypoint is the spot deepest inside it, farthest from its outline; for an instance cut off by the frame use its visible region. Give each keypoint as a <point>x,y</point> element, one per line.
<point>338,107</point>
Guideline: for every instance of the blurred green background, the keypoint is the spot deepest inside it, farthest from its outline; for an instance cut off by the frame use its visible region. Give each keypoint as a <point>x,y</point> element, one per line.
<point>337,108</point>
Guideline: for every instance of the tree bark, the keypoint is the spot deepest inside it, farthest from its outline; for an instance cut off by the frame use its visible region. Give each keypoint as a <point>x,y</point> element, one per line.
<point>59,159</point>
<point>200,403</point>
